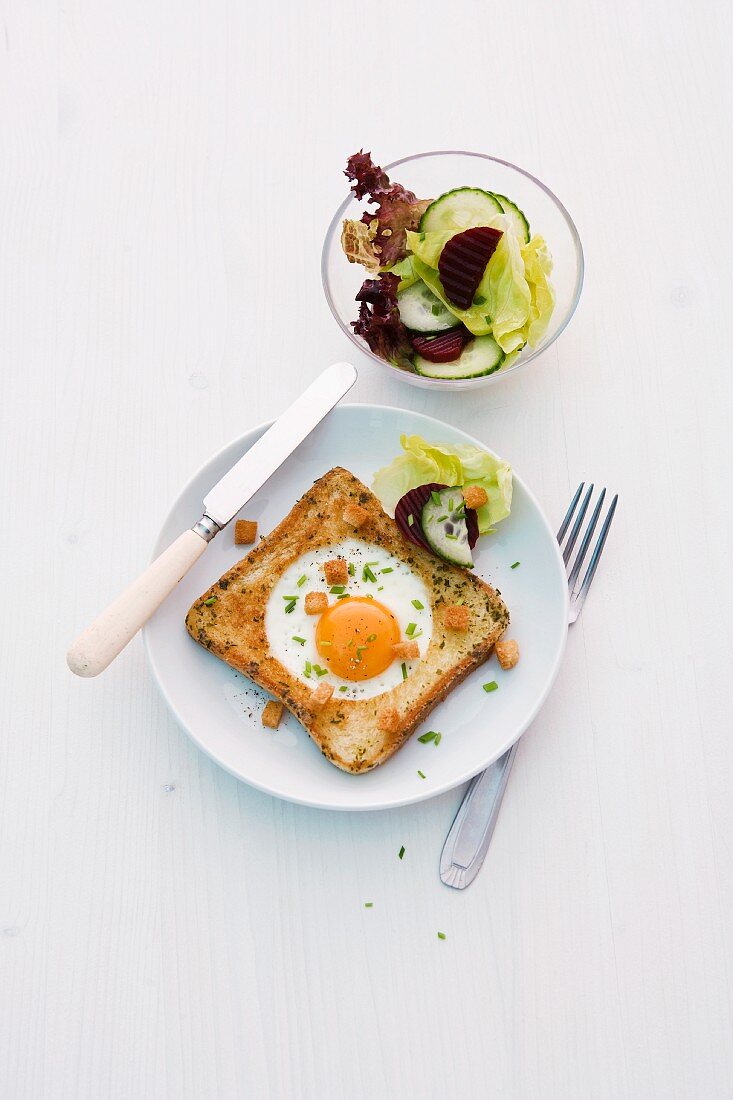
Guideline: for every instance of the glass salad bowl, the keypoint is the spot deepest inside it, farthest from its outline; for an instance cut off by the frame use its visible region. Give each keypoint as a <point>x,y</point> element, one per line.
<point>429,175</point>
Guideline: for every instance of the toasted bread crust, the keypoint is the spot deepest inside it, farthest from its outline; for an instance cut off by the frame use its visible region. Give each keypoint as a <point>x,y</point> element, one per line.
<point>346,730</point>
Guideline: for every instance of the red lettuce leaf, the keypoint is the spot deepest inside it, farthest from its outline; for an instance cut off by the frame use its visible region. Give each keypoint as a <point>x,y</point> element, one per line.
<point>369,179</point>
<point>379,321</point>
<point>397,208</point>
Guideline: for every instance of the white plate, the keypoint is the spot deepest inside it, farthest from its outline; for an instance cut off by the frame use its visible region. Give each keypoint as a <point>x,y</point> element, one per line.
<point>220,709</point>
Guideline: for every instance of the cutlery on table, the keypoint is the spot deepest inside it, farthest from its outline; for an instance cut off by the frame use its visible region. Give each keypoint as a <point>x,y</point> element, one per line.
<point>108,635</point>
<point>470,834</point>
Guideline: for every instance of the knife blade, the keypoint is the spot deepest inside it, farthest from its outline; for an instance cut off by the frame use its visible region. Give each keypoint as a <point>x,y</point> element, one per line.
<point>108,635</point>
<point>240,484</point>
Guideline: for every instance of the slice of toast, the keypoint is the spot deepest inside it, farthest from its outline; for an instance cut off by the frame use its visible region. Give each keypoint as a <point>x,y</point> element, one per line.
<point>349,732</point>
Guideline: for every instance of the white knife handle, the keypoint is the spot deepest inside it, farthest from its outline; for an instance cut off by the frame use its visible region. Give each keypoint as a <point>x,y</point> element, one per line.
<point>108,635</point>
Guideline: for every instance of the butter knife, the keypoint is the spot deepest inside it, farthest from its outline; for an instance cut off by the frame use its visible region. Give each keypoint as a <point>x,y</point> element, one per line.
<point>108,635</point>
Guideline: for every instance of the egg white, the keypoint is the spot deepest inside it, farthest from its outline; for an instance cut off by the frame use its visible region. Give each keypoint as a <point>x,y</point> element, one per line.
<point>396,590</point>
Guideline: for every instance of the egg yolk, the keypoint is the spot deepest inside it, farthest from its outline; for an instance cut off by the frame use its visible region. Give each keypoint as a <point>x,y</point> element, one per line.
<point>355,638</point>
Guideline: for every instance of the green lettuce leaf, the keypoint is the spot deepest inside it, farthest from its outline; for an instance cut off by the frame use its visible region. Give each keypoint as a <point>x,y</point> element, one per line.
<point>405,272</point>
<point>447,464</point>
<point>501,305</point>
<point>428,246</point>
<point>537,269</point>
<point>509,296</point>
<point>514,300</point>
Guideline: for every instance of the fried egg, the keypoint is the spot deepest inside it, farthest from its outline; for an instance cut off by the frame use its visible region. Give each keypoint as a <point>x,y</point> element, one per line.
<point>350,644</point>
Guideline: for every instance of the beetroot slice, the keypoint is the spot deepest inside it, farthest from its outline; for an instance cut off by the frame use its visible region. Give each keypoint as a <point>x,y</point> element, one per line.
<point>441,349</point>
<point>463,261</point>
<point>412,504</point>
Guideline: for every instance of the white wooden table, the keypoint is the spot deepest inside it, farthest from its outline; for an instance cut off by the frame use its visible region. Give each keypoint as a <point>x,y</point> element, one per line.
<point>167,171</point>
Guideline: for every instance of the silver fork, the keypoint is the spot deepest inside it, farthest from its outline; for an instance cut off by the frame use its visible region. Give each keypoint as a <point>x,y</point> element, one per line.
<point>470,834</point>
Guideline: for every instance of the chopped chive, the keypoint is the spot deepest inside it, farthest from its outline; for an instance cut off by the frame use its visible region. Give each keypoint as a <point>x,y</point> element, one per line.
<point>372,638</point>
<point>435,496</point>
<point>368,904</point>
<point>288,598</point>
<point>359,650</point>
<point>450,505</point>
<point>452,537</point>
<point>516,563</point>
<point>367,574</point>
<point>308,668</point>
<point>410,629</point>
<point>325,643</point>
<point>426,737</point>
<point>479,300</point>
<point>422,236</point>
<point>372,563</point>
<point>290,607</point>
<point>343,688</point>
<point>389,569</point>
<point>410,520</point>
<point>436,309</point>
<point>344,596</point>
<point>381,588</point>
<point>350,644</point>
<point>487,318</point>
<point>441,935</point>
<point>320,671</point>
<point>418,606</point>
<point>404,671</point>
<point>401,852</point>
<point>301,581</point>
<point>438,737</point>
<point>441,519</point>
<point>491,686</point>
<point>421,774</point>
<point>336,588</point>
<point>297,638</point>
<point>210,602</point>
<point>352,569</point>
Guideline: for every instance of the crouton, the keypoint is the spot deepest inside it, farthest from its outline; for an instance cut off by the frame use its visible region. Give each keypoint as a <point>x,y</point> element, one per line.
<point>245,532</point>
<point>507,653</point>
<point>315,603</point>
<point>320,696</point>
<point>406,651</point>
<point>355,515</point>
<point>272,714</point>
<point>337,571</point>
<point>389,720</point>
<point>457,617</point>
<point>475,496</point>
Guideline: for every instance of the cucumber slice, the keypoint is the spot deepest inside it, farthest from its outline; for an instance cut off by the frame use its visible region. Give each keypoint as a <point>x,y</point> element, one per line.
<point>519,222</point>
<point>482,356</point>
<point>421,311</point>
<point>443,523</point>
<point>464,208</point>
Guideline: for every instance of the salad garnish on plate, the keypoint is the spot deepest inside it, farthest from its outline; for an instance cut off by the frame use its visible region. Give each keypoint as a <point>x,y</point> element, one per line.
<point>444,496</point>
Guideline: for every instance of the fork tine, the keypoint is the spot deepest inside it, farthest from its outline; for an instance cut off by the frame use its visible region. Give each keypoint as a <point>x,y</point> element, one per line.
<point>596,557</point>
<point>569,514</point>
<point>577,525</point>
<point>586,541</point>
